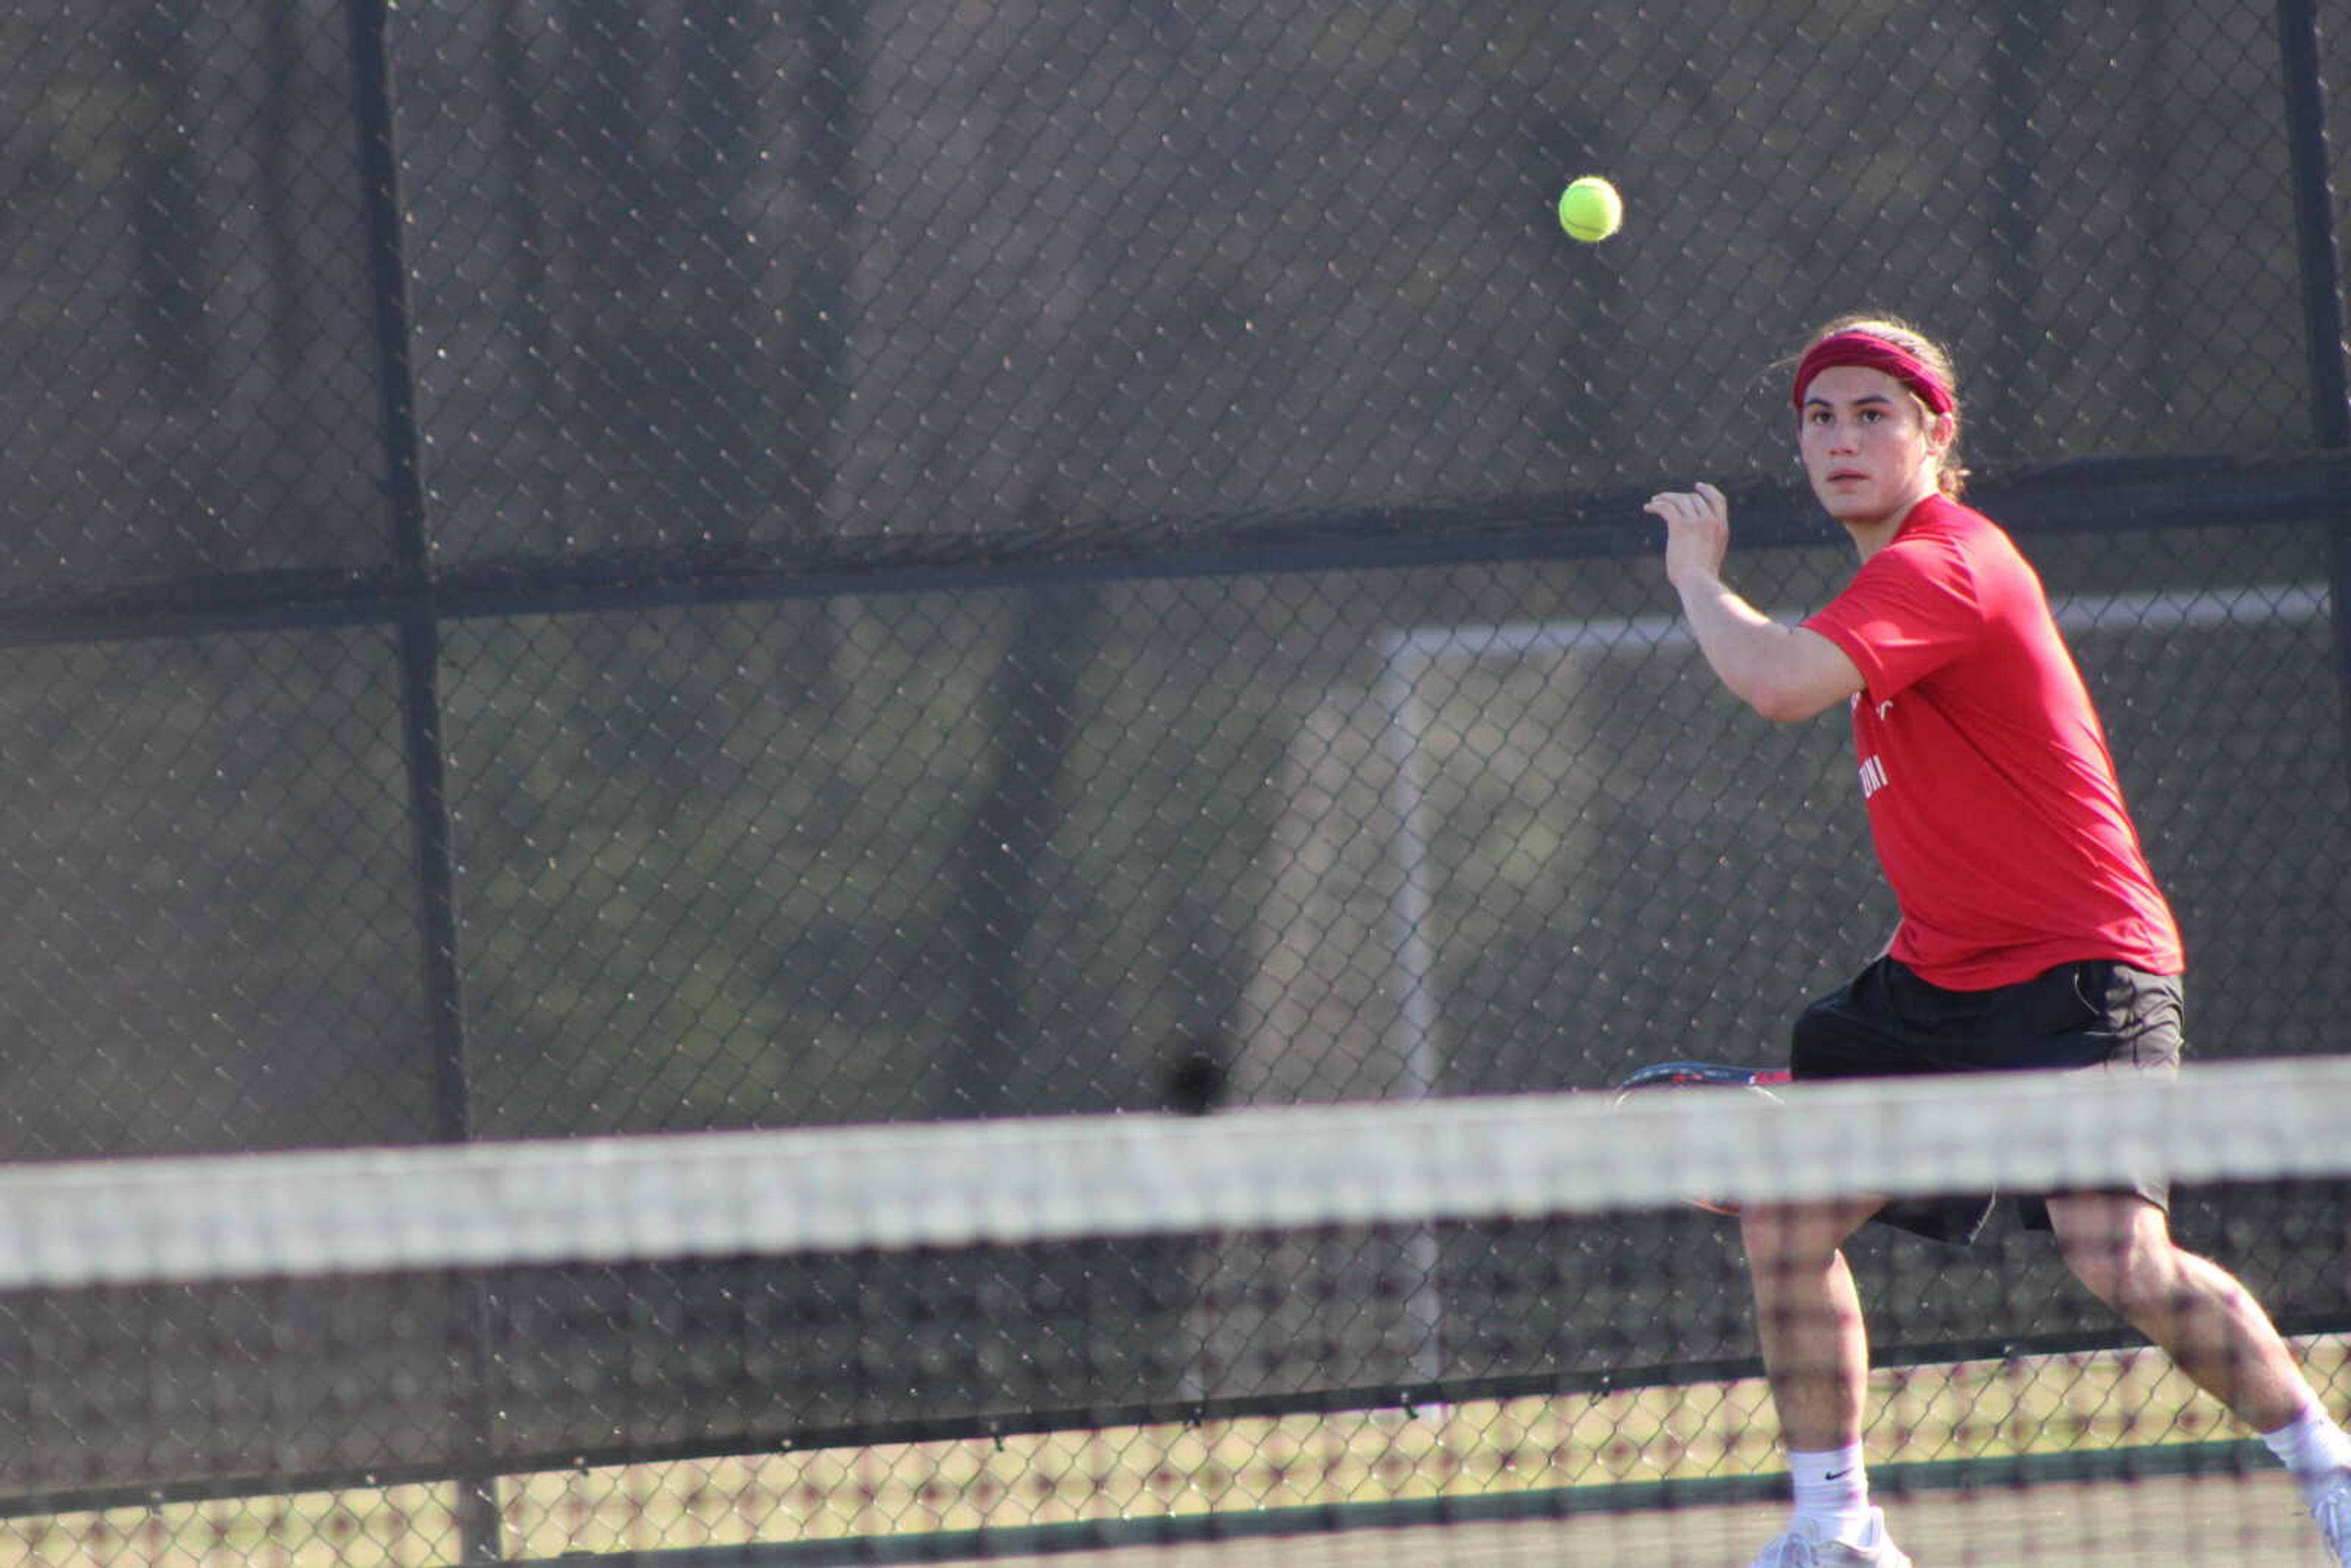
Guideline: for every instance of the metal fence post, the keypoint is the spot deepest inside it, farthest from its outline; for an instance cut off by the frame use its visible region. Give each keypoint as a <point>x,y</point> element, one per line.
<point>417,630</point>
<point>2305,87</point>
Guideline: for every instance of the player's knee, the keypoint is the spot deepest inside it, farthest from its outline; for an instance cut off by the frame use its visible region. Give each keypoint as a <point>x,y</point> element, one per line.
<point>2130,1269</point>
<point>2119,1248</point>
<point>2103,1261</point>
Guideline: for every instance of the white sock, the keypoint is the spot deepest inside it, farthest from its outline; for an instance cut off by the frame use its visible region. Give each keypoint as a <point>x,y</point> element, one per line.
<point>1832,1493</point>
<point>2312,1446</point>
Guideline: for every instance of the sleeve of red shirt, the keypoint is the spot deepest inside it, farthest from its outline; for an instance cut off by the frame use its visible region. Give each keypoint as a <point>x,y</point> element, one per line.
<point>1911,608</point>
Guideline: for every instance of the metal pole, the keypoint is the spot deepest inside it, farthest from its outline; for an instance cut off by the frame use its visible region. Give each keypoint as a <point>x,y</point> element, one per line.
<point>2304,85</point>
<point>417,631</point>
<point>1417,1056</point>
<point>2314,212</point>
<point>2017,73</point>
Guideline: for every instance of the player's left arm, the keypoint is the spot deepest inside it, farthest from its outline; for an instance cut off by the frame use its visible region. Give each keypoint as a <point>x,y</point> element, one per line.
<point>1785,673</point>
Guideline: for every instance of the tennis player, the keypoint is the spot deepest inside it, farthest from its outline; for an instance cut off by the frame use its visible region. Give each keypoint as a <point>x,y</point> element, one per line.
<point>2033,933</point>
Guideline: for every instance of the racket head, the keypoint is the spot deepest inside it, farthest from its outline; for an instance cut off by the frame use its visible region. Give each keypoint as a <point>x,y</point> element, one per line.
<point>1705,1075</point>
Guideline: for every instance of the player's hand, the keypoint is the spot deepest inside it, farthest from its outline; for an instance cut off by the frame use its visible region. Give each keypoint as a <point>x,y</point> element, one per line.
<point>1697,531</point>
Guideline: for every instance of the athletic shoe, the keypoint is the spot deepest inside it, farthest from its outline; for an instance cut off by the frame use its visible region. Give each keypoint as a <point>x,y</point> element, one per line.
<point>1801,1548</point>
<point>2331,1507</point>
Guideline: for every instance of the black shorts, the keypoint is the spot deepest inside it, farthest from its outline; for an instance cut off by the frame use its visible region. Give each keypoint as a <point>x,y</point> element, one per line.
<point>2096,1016</point>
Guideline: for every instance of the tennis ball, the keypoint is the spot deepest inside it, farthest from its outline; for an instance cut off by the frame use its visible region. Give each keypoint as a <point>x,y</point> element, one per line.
<point>1590,209</point>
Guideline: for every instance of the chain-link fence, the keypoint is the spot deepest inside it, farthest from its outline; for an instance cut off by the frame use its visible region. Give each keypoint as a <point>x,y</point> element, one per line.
<point>586,567</point>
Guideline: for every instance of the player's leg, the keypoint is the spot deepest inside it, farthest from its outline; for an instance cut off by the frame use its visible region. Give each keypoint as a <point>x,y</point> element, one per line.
<point>1816,1356</point>
<point>1808,1317</point>
<point>1808,1313</point>
<point>2120,1246</point>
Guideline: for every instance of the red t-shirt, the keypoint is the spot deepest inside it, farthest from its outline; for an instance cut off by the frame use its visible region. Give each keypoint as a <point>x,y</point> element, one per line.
<point>1991,794</point>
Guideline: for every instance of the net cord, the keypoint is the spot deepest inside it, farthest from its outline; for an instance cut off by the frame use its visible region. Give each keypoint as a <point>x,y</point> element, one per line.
<point>940,1185</point>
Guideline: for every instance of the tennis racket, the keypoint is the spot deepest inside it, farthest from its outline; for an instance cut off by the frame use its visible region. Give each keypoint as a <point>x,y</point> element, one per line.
<point>1705,1075</point>
<point>1694,1074</point>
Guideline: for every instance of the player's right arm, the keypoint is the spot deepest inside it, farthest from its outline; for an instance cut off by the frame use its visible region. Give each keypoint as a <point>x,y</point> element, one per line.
<point>1785,673</point>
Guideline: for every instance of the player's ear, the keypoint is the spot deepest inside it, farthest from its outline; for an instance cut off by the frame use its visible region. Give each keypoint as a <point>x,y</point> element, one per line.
<point>1942,430</point>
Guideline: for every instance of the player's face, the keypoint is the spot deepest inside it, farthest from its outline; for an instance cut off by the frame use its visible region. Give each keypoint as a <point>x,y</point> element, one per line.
<point>1869,447</point>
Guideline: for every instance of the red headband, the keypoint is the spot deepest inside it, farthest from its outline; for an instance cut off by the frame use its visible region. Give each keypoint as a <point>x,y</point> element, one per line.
<point>1874,352</point>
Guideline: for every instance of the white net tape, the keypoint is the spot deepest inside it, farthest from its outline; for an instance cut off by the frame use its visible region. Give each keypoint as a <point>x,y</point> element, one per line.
<point>896,1186</point>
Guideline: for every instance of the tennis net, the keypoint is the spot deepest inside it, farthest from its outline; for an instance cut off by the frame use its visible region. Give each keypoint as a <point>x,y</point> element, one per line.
<point>1491,1329</point>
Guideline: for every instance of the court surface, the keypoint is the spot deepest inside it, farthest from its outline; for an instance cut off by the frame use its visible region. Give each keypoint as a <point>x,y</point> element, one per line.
<point>2214,1522</point>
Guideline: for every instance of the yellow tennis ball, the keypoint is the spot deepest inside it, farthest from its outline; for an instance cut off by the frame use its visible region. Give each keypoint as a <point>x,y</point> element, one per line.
<point>1590,209</point>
